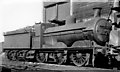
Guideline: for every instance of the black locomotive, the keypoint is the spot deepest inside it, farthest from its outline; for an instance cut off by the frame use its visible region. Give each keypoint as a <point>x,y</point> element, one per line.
<point>90,42</point>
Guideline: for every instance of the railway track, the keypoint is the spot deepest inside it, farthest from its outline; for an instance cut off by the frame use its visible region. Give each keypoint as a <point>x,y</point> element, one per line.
<point>16,66</point>
<point>39,66</point>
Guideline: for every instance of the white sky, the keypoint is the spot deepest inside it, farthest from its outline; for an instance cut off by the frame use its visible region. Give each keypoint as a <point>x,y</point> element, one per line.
<point>15,14</point>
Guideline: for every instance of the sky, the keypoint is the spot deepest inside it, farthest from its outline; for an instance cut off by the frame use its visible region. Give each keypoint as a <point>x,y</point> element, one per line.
<point>15,14</point>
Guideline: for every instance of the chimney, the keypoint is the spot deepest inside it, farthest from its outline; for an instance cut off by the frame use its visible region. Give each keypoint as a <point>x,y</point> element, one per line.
<point>97,11</point>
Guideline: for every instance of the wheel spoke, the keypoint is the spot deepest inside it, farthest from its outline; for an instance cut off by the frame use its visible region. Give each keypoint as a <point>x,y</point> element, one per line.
<point>12,55</point>
<point>79,59</point>
<point>40,57</point>
<point>60,58</point>
<point>21,55</point>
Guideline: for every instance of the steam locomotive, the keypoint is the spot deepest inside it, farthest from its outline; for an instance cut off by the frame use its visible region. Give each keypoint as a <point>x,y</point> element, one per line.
<point>65,41</point>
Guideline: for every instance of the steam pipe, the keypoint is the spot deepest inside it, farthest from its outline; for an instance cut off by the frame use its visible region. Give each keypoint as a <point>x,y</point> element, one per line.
<point>45,14</point>
<point>116,4</point>
<point>71,7</point>
<point>116,8</point>
<point>56,12</point>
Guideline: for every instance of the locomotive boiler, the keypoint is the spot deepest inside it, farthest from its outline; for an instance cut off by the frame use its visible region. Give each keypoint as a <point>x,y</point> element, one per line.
<point>60,41</point>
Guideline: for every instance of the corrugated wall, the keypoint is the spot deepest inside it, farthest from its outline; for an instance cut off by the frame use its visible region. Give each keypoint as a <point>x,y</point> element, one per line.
<point>85,9</point>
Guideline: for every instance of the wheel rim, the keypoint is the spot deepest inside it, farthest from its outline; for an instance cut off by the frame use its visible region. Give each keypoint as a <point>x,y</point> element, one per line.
<point>12,55</point>
<point>40,57</point>
<point>60,58</point>
<point>8,54</point>
<point>79,59</point>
